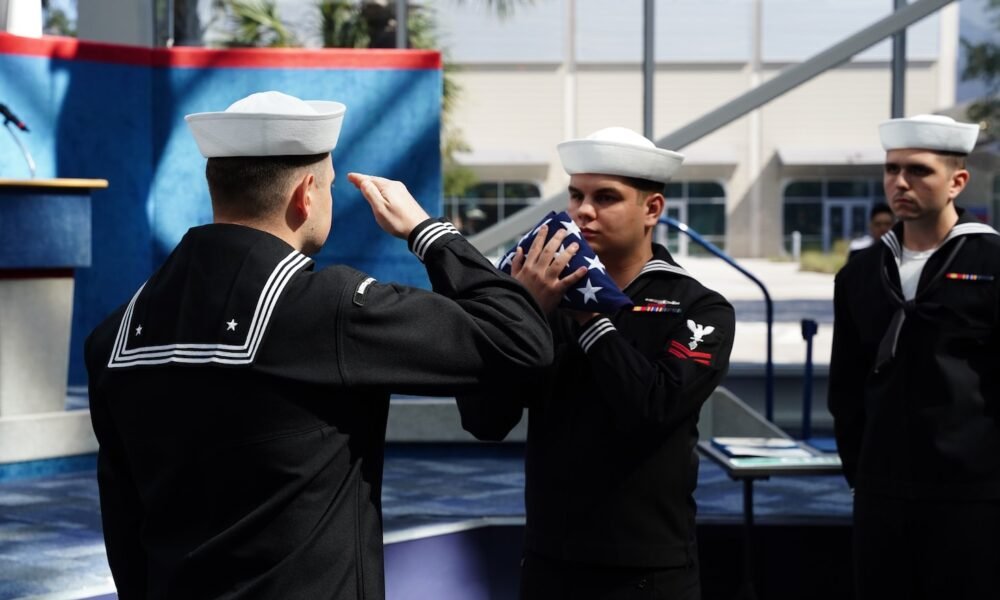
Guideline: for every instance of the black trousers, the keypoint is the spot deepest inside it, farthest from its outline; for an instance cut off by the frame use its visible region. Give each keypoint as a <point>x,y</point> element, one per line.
<point>916,549</point>
<point>543,578</point>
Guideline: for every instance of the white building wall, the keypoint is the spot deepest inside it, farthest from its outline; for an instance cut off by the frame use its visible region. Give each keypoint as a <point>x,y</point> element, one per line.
<point>514,80</point>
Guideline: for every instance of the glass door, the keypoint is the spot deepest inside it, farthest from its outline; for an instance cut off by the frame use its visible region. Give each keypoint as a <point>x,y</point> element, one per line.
<point>844,220</point>
<point>675,241</point>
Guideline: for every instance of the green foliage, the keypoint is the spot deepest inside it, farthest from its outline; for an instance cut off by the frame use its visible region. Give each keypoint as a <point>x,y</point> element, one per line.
<point>503,8</point>
<point>368,24</point>
<point>57,22</point>
<point>363,24</point>
<point>820,262</point>
<point>983,62</point>
<point>256,24</point>
<point>342,26</point>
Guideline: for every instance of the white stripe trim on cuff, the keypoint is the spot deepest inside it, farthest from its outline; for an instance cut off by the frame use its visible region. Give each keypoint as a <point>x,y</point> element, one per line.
<point>428,236</point>
<point>597,329</point>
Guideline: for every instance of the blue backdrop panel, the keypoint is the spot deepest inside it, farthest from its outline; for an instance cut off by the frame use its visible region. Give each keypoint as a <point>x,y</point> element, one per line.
<point>117,113</point>
<point>44,229</point>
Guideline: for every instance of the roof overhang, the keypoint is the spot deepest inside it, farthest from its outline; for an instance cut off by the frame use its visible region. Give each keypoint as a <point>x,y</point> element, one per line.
<point>501,158</point>
<point>806,156</point>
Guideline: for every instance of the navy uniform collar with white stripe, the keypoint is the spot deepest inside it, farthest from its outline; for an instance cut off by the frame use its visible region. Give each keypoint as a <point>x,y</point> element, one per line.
<point>217,312</point>
<point>966,225</point>
<point>661,262</point>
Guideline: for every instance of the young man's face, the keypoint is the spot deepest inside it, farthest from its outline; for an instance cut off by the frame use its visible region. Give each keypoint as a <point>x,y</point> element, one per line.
<point>920,184</point>
<point>613,217</point>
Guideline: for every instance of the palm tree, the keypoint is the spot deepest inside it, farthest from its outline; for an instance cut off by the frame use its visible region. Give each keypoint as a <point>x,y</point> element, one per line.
<point>372,24</point>
<point>57,22</point>
<point>502,8</point>
<point>983,63</point>
<point>256,24</point>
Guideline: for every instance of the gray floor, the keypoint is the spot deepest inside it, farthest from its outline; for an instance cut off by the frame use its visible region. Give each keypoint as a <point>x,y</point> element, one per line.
<point>50,530</point>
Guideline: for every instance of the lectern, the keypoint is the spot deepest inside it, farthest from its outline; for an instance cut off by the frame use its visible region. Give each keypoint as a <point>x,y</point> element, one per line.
<point>45,234</point>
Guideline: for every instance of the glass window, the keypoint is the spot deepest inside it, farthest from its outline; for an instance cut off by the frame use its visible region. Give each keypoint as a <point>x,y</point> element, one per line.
<point>804,189</point>
<point>521,189</point>
<point>705,211</point>
<point>847,189</point>
<point>484,189</point>
<point>845,202</point>
<point>804,217</point>
<point>488,202</point>
<point>705,189</point>
<point>673,189</point>
<point>707,219</point>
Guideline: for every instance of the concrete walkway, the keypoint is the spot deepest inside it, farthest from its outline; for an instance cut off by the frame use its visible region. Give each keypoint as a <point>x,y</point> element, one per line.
<point>796,295</point>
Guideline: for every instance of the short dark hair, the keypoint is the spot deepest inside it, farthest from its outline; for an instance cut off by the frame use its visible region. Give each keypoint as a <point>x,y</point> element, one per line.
<point>879,208</point>
<point>645,185</point>
<point>955,160</point>
<point>253,186</point>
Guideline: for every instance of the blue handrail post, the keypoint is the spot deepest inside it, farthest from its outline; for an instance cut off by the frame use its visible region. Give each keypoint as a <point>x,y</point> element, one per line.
<point>769,305</point>
<point>809,329</point>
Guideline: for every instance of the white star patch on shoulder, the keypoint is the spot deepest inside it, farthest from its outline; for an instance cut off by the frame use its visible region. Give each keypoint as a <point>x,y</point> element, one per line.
<point>231,325</point>
<point>698,333</point>
<point>138,330</point>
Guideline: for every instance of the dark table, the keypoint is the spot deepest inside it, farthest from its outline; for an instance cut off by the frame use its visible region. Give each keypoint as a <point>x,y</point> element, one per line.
<point>749,469</point>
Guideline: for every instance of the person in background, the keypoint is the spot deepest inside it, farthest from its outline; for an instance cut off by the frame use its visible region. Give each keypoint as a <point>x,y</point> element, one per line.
<point>880,221</point>
<point>914,379</point>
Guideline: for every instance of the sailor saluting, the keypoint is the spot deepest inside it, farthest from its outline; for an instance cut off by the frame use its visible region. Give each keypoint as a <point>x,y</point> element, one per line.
<point>240,396</point>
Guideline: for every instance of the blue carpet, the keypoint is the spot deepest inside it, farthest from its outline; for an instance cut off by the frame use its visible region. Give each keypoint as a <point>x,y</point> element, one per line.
<point>50,529</point>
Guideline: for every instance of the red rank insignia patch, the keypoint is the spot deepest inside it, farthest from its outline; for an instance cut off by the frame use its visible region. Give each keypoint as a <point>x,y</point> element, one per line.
<point>684,353</point>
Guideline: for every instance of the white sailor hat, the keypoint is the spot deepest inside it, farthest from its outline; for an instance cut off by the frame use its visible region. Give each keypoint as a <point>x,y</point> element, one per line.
<point>929,132</point>
<point>619,151</point>
<point>268,124</point>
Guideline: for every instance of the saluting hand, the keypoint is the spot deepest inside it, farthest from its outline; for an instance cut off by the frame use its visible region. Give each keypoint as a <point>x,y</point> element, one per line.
<point>395,210</point>
<point>539,270</point>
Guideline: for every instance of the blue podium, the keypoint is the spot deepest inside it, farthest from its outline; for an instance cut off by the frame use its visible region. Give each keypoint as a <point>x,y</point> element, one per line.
<point>45,234</point>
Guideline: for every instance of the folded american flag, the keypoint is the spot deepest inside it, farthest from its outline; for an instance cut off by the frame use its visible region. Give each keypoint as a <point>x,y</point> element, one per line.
<point>596,292</point>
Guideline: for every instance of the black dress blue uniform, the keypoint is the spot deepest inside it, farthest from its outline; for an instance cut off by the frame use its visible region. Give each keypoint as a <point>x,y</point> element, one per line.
<point>915,396</point>
<point>240,401</point>
<point>611,461</point>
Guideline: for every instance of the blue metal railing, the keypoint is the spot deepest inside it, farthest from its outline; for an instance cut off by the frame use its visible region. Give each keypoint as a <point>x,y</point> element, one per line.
<point>769,366</point>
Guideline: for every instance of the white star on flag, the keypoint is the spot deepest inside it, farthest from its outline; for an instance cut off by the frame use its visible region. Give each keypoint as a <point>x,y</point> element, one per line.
<point>540,225</point>
<point>231,325</point>
<point>571,228</point>
<point>610,299</point>
<point>594,263</point>
<point>589,292</point>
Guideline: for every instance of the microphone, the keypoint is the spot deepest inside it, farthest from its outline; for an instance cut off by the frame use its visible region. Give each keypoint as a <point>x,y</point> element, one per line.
<point>11,118</point>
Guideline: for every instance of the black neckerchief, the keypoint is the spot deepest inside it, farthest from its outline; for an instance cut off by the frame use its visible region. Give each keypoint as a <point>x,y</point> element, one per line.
<point>892,249</point>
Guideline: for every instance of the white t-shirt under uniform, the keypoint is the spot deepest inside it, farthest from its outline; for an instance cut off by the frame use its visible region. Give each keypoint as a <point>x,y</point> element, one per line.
<point>910,268</point>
